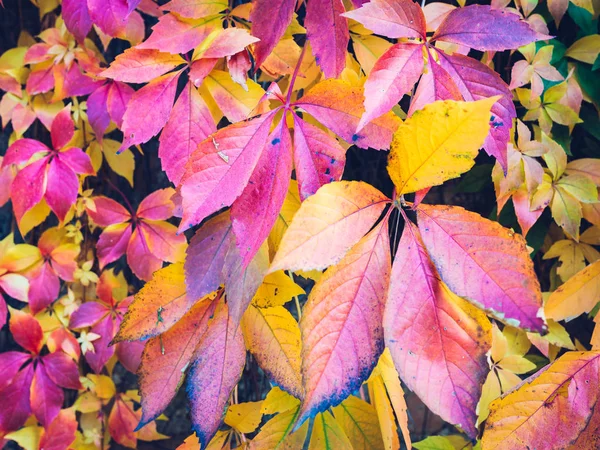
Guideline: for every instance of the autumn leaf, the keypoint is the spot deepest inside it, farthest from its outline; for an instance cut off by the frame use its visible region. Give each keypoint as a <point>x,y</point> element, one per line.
<point>438,143</point>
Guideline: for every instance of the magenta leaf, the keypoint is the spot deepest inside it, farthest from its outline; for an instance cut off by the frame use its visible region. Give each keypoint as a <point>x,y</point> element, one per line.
<point>269,21</point>
<point>391,18</point>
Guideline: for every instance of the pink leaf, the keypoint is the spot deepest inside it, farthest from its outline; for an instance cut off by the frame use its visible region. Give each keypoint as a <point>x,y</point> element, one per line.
<point>104,211</point>
<point>220,168</point>
<point>392,76</point>
<point>339,107</point>
<point>106,329</point>
<point>130,354</point>
<point>157,206</point>
<point>206,256</point>
<point>22,150</point>
<point>435,84</point>
<point>15,285</point>
<point>176,36</point>
<point>62,186</point>
<point>60,434</point>
<point>119,95</point>
<point>193,9</point>
<point>434,343</point>
<point>476,81</point>
<point>109,15</point>
<point>166,358</point>
<point>46,397</point>
<point>148,110</point>
<point>77,160</point>
<point>77,18</point>
<point>44,286</point>
<point>342,336</point>
<point>40,81</point>
<point>189,124</point>
<point>242,281</point>
<point>215,371</point>
<point>318,158</point>
<point>328,34</point>
<point>14,401</point>
<point>200,69</point>
<point>62,129</point>
<point>483,262</point>
<point>163,241</point>
<point>136,65</point>
<point>269,20</point>
<point>228,42</point>
<point>238,66</point>
<point>88,314</point>
<point>140,258</point>
<point>113,243</point>
<point>486,29</point>
<point>255,211</point>
<point>391,18</point>
<point>97,111</point>
<point>62,370</point>
<point>27,189</point>
<point>10,364</point>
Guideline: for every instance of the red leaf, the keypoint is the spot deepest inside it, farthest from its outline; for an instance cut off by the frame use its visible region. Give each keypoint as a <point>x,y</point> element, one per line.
<point>97,110</point>
<point>60,434</point>
<point>113,243</point>
<point>148,110</point>
<point>27,189</point>
<point>269,20</point>
<point>200,69</point>
<point>46,397</point>
<point>62,128</point>
<point>215,371</point>
<point>88,314</point>
<point>255,211</point>
<point>166,358</point>
<point>328,34</point>
<point>14,401</point>
<point>486,29</point>
<point>26,331</point>
<point>140,258</point>
<point>77,160</point>
<point>121,424</point>
<point>391,18</point>
<point>189,124</point>
<point>438,347</point>
<point>44,287</point>
<point>206,256</point>
<point>130,354</point>
<point>483,262</point>
<point>392,76</point>
<point>136,65</point>
<point>62,370</point>
<point>220,168</point>
<point>318,158</point>
<point>342,336</point>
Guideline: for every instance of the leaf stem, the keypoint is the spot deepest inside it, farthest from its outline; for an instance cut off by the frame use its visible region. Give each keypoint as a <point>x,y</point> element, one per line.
<point>294,75</point>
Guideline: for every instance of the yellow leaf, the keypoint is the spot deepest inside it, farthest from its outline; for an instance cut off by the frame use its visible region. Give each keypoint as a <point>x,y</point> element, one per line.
<point>516,364</point>
<point>385,413</point>
<point>585,49</point>
<point>490,391</point>
<point>273,336</point>
<point>327,434</point>
<point>580,187</point>
<point>577,296</point>
<point>290,206</point>
<point>438,143</point>
<point>234,101</point>
<point>359,421</point>
<point>278,401</point>
<point>27,437</point>
<point>276,433</point>
<point>34,217</point>
<point>368,49</point>
<point>566,211</point>
<point>552,409</point>
<point>122,164</point>
<point>276,290</point>
<point>244,417</point>
<point>103,386</point>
